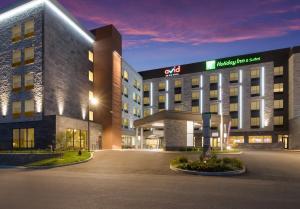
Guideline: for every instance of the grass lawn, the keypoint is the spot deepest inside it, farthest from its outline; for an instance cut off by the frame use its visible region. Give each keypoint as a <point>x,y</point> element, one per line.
<point>26,151</point>
<point>68,157</point>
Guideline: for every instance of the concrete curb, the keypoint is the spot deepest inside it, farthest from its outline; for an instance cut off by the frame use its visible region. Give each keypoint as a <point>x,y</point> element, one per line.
<point>202,173</point>
<point>47,167</point>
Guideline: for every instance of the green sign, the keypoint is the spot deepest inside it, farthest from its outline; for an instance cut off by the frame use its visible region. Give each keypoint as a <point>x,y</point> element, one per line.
<point>226,63</point>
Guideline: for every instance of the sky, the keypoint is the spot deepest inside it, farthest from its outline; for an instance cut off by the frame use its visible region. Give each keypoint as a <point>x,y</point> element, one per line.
<point>159,33</point>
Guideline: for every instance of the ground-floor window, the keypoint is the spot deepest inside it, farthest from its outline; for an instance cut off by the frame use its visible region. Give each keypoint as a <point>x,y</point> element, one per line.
<point>76,139</point>
<point>236,140</point>
<point>260,139</point>
<point>23,138</point>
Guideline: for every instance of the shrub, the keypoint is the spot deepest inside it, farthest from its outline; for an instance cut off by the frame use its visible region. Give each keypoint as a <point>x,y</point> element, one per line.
<point>179,160</point>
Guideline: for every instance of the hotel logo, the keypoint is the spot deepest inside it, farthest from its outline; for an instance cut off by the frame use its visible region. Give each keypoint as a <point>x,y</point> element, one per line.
<point>172,72</point>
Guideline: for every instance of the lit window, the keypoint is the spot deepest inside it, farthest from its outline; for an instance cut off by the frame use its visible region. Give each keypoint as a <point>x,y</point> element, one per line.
<point>195,95</point>
<point>134,111</point>
<point>255,105</point>
<point>195,82</point>
<point>233,91</point>
<point>233,107</point>
<point>162,86</point>
<point>125,91</point>
<point>278,104</point>
<point>91,115</point>
<point>146,101</point>
<point>178,108</point>
<point>234,122</point>
<point>213,79</point>
<point>255,73</point>
<point>91,95</point>
<point>146,112</point>
<point>91,76</point>
<point>278,71</point>
<point>260,139</point>
<point>16,33</point>
<point>213,94</point>
<point>161,98</point>
<point>16,82</point>
<point>146,87</point>
<point>29,28</point>
<point>278,87</point>
<point>29,55</point>
<point>91,56</point>
<point>29,107</point>
<point>125,107</point>
<point>134,97</point>
<point>213,108</point>
<point>278,120</point>
<point>255,90</point>
<point>23,138</point>
<point>125,123</point>
<point>29,80</point>
<point>255,121</point>
<point>125,75</point>
<point>236,139</point>
<point>178,83</point>
<point>195,109</point>
<point>16,58</point>
<point>16,108</point>
<point>138,99</point>
<point>177,97</point>
<point>234,76</point>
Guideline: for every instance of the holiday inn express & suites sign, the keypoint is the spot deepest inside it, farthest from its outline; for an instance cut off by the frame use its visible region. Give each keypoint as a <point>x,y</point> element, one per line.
<point>231,62</point>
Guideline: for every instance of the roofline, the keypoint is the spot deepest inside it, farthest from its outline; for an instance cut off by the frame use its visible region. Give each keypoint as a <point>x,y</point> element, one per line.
<point>54,6</point>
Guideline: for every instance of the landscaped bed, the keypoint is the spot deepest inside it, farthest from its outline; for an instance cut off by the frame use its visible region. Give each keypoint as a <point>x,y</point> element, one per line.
<point>68,157</point>
<point>210,166</point>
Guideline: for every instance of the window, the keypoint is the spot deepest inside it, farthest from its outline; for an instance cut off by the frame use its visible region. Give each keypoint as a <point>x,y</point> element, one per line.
<point>177,97</point>
<point>16,109</point>
<point>125,75</point>
<point>29,81</point>
<point>146,101</point>
<point>16,33</point>
<point>195,82</point>
<point>255,122</point>
<point>233,107</point>
<point>29,107</point>
<point>161,98</point>
<point>260,139</point>
<point>138,85</point>
<point>278,120</point>
<point>146,87</point>
<point>213,94</point>
<point>76,138</point>
<point>16,84</point>
<point>278,87</point>
<point>278,104</point>
<point>278,71</point>
<point>125,91</point>
<point>178,108</point>
<point>195,109</point>
<point>234,122</point>
<point>16,58</point>
<point>23,138</point>
<point>125,123</point>
<point>255,90</point>
<point>234,76</point>
<point>195,95</point>
<point>255,105</point>
<point>138,99</point>
<point>146,112</point>
<point>213,79</point>
<point>255,73</point>
<point>162,86</point>
<point>91,95</point>
<point>29,28</point>
<point>236,140</point>
<point>134,111</point>
<point>134,96</point>
<point>178,83</point>
<point>91,115</point>
<point>91,76</point>
<point>213,108</point>
<point>233,91</point>
<point>125,107</point>
<point>29,55</point>
<point>91,56</point>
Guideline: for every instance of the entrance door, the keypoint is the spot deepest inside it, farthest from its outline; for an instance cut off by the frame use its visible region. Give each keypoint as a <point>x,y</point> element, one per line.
<point>285,141</point>
<point>214,142</point>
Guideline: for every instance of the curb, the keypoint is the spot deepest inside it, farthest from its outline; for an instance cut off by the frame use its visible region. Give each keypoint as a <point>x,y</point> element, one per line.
<point>203,173</point>
<point>47,167</point>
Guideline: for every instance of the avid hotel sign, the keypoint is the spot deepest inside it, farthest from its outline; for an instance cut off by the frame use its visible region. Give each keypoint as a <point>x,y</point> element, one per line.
<point>227,63</point>
<point>173,71</point>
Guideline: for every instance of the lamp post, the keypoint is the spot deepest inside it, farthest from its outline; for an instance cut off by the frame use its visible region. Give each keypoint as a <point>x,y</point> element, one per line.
<point>92,102</point>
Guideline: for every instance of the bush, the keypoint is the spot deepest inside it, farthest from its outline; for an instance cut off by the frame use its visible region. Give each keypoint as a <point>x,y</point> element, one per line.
<point>179,160</point>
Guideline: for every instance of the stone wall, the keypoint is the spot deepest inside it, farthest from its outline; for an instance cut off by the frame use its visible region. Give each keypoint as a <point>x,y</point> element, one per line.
<point>175,133</point>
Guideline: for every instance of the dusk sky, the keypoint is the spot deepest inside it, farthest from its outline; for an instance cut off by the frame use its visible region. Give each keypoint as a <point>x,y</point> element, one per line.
<point>158,33</point>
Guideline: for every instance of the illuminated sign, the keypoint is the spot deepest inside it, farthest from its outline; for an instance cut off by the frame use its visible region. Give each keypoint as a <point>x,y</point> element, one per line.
<point>172,72</point>
<point>226,63</point>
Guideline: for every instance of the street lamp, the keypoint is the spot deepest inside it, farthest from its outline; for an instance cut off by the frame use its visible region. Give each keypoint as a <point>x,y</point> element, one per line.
<point>92,102</point>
